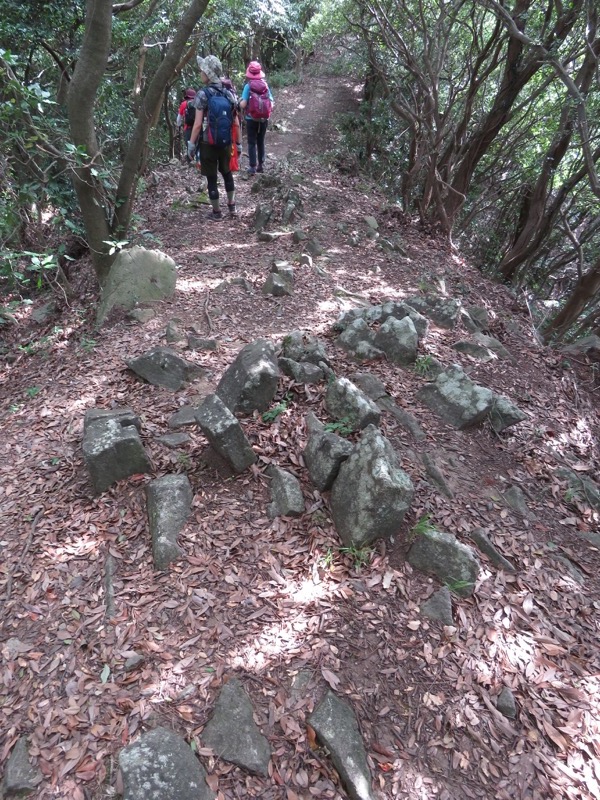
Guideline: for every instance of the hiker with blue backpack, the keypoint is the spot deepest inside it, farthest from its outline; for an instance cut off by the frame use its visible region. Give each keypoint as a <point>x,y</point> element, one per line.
<point>216,129</point>
<point>257,102</point>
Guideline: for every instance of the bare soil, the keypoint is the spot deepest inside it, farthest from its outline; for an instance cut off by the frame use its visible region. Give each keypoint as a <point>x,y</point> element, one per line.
<point>271,600</point>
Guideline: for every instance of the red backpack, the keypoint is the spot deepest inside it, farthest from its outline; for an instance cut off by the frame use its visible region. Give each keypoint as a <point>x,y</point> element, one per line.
<point>259,105</point>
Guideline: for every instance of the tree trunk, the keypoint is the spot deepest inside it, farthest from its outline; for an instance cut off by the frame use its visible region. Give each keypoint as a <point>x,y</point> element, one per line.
<point>89,72</point>
<point>81,99</point>
<point>585,290</point>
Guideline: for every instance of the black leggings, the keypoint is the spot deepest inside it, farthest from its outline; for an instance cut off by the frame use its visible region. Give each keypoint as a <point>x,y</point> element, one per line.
<point>213,189</point>
<point>257,130</point>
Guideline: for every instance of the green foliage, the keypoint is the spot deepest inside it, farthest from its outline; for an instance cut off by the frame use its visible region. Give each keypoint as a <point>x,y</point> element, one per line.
<point>423,525</point>
<point>343,427</point>
<point>361,556</point>
<point>423,365</point>
<point>32,391</point>
<point>272,414</point>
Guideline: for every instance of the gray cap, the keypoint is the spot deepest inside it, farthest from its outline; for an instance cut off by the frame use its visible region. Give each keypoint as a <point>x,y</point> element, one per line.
<point>211,67</point>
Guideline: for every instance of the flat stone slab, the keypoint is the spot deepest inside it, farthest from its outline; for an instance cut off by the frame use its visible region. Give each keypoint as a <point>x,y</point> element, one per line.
<point>286,494</point>
<point>504,414</point>
<point>160,765</point>
<point>233,734</point>
<point>439,607</point>
<point>169,500</point>
<point>20,776</point>
<point>457,399</point>
<point>438,553</point>
<point>335,725</point>
<point>164,367</point>
<point>324,453</point>
<point>225,433</point>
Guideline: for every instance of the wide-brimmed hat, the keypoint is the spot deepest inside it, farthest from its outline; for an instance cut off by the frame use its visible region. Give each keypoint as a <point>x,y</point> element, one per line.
<point>211,67</point>
<point>190,94</point>
<point>254,70</point>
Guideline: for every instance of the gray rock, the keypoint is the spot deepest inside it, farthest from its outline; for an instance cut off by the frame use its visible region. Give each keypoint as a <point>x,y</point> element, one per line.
<point>371,494</point>
<point>142,315</point>
<point>494,345</point>
<point>436,475</point>
<point>572,571</point>
<point>169,500</point>
<point>164,367</point>
<point>134,661</point>
<point>335,725</point>
<point>299,346</point>
<point>174,332</point>
<point>436,553</point>
<point>324,453</point>
<point>439,607</point>
<point>233,734</point>
<point>372,223</point>
<point>160,765</point>
<point>124,416</point>
<point>184,418</point>
<point>313,248</point>
<point>514,498</point>
<point>225,433</point>
<point>278,285</point>
<point>262,215</point>
<point>404,418</point>
<point>460,402</point>
<point>20,776</point>
<point>505,703</point>
<point>482,541</point>
<point>475,318</point>
<point>443,311</point>
<point>250,382</point>
<point>43,313</point>
<point>173,440</point>
<point>299,236</point>
<point>398,339</point>
<point>286,494</point>
<point>402,310</point>
<point>474,350</point>
<point>346,402</point>
<point>582,346</point>
<point>370,385</point>
<point>199,343</point>
<point>504,414</point>
<point>585,488</point>
<point>303,372</point>
<point>137,276</point>
<point>357,339</point>
<point>112,449</point>
<point>305,260</point>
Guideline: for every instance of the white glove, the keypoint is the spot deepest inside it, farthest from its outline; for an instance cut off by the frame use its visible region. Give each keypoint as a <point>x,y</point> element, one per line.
<point>191,149</point>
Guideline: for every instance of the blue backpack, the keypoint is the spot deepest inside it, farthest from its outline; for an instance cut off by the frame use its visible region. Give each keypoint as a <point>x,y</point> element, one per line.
<point>220,117</point>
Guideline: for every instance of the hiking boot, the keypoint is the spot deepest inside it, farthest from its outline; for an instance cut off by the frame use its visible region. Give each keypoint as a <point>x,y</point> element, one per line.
<point>215,216</point>
<point>259,168</point>
<point>251,170</point>
<point>232,210</point>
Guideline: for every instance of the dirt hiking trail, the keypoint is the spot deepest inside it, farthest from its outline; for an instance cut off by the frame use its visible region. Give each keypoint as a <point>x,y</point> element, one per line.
<point>276,601</point>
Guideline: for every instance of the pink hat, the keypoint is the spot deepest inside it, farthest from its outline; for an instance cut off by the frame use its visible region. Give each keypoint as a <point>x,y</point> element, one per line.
<point>254,70</point>
<point>190,94</point>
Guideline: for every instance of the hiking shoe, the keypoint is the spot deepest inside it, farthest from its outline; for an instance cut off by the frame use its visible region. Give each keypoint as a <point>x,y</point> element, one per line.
<point>232,210</point>
<point>251,170</point>
<point>215,216</point>
<point>259,168</point>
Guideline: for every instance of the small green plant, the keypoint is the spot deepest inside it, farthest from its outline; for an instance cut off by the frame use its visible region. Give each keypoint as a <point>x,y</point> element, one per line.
<point>423,525</point>
<point>570,495</point>
<point>32,391</point>
<point>272,414</point>
<point>328,559</point>
<point>360,556</point>
<point>54,461</point>
<point>423,365</point>
<point>457,586</point>
<point>87,344</point>
<point>115,246</point>
<point>343,427</point>
<point>184,459</point>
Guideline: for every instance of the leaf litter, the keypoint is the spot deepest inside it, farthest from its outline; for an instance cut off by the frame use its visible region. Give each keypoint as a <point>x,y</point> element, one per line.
<point>275,600</point>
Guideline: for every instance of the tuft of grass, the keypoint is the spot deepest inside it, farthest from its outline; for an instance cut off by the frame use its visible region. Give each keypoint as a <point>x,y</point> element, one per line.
<point>32,391</point>
<point>361,556</point>
<point>423,525</point>
<point>423,365</point>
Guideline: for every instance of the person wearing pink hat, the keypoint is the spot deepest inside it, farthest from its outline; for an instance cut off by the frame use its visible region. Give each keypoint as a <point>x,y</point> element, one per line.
<point>257,102</point>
